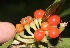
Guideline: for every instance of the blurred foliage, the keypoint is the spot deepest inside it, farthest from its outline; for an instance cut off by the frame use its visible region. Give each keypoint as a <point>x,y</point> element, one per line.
<point>65,13</point>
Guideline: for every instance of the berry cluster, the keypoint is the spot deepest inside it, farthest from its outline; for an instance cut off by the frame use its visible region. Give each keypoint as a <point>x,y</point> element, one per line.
<point>48,28</point>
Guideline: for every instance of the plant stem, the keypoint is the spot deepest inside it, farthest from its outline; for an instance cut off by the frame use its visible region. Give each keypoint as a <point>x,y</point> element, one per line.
<point>27,27</point>
<point>24,40</point>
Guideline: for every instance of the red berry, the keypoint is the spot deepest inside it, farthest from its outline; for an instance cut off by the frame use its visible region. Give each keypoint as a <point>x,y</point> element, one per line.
<point>53,32</point>
<point>39,35</point>
<point>39,13</point>
<point>54,20</point>
<point>45,25</point>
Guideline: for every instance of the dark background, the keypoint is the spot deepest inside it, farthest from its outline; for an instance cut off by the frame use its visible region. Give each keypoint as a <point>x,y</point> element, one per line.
<point>13,10</point>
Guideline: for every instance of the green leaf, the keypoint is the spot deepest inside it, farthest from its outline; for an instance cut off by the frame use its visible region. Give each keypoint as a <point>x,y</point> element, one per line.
<point>5,45</point>
<point>65,13</point>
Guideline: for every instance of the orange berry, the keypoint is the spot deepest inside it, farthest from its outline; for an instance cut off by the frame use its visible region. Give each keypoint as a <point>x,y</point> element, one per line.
<point>23,21</point>
<point>29,19</point>
<point>26,20</point>
<point>19,27</point>
<point>45,25</point>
